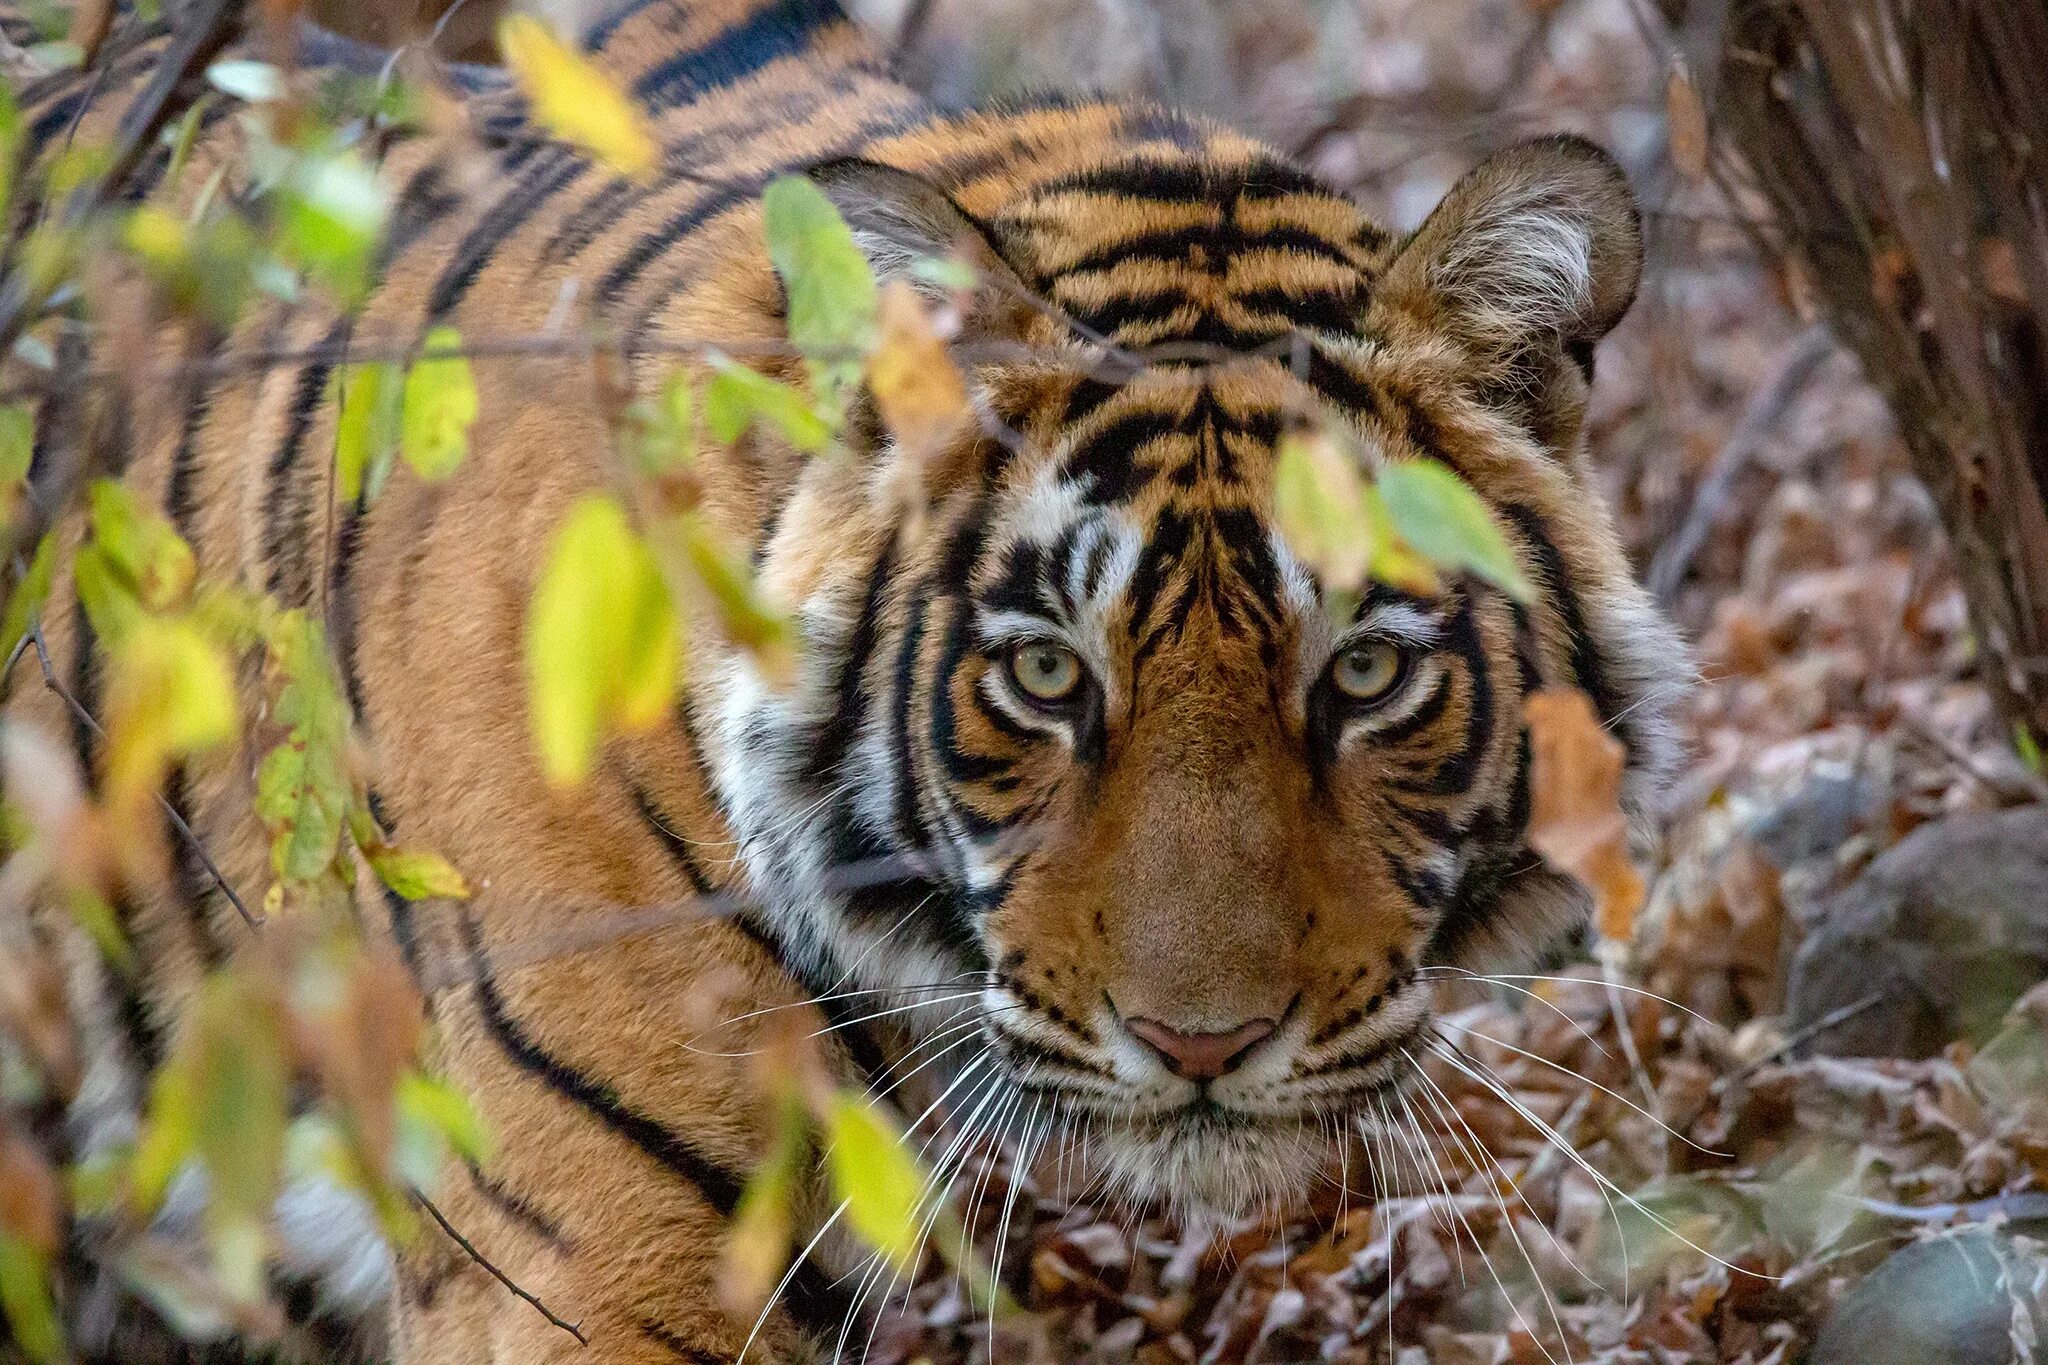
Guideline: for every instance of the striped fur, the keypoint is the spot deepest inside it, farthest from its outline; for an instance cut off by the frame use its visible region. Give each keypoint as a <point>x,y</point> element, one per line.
<point>1209,835</point>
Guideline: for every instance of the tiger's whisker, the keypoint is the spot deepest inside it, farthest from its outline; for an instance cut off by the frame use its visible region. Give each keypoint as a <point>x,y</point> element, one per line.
<point>1552,1136</point>
<point>1575,1075</point>
<point>1486,1259</point>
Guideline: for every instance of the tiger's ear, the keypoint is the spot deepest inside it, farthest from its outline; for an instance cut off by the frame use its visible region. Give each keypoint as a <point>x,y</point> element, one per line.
<point>1538,247</point>
<point>900,219</point>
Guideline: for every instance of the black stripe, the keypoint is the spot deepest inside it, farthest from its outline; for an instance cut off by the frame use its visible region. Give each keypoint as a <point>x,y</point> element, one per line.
<point>1171,246</point>
<point>813,1301</point>
<point>781,29</point>
<point>910,826</point>
<point>85,683</point>
<point>719,1186</point>
<point>720,196</point>
<point>131,1001</point>
<point>680,1348</point>
<point>1459,769</point>
<point>516,1207</point>
<point>547,173</point>
<point>191,883</point>
<point>1589,668</point>
<point>342,627</point>
<point>831,740</point>
<point>284,547</point>
<point>582,226</point>
<point>677,847</point>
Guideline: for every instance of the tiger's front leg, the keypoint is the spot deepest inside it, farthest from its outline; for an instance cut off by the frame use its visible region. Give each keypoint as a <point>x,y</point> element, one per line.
<point>621,1151</point>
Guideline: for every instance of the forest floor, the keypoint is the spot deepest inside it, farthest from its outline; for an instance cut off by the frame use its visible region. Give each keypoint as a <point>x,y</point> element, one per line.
<point>1666,1164</point>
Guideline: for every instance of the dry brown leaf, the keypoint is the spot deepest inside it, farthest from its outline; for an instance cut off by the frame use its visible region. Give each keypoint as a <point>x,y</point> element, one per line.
<point>1575,820</point>
<point>30,1209</point>
<point>2001,266</point>
<point>918,389</point>
<point>1685,116</point>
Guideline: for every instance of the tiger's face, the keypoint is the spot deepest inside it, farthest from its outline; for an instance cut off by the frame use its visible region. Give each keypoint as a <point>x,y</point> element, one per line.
<point>1193,837</point>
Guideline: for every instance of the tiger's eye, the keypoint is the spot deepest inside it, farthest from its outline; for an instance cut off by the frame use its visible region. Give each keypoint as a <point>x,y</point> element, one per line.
<point>1046,672</point>
<point>1367,672</point>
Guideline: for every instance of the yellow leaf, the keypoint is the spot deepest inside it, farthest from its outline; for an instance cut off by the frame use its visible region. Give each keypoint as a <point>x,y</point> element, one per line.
<point>418,874</point>
<point>603,647</point>
<point>873,1172</point>
<point>745,617</point>
<point>916,385</point>
<point>1318,504</point>
<point>575,100</point>
<point>1575,818</point>
<point>757,1244</point>
<point>171,693</point>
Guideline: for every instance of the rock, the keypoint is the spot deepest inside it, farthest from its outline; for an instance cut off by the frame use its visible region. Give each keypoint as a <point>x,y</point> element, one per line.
<point>1964,1298</point>
<point>1947,930</point>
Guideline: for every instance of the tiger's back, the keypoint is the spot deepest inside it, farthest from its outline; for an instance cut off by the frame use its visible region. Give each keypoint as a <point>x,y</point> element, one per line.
<point>623,1150</point>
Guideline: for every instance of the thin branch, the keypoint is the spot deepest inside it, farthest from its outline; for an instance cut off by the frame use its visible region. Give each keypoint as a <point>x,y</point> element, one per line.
<point>1795,1040</point>
<point>574,1329</point>
<point>211,28</point>
<point>1674,561</point>
<point>35,637</point>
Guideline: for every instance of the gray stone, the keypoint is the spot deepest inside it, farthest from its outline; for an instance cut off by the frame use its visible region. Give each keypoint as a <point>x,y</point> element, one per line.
<point>1947,929</point>
<point>1956,1299</point>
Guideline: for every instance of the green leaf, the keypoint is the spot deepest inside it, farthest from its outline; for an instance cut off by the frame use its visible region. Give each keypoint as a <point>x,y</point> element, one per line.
<point>30,1312</point>
<point>1448,524</point>
<point>17,441</point>
<point>830,287</point>
<point>665,427</point>
<point>10,142</point>
<point>152,559</point>
<point>947,272</point>
<point>418,874</point>
<point>1318,505</point>
<point>874,1173</point>
<point>440,403</point>
<point>168,1132</point>
<point>105,593</point>
<point>302,784</point>
<point>331,216</point>
<point>747,619</point>
<point>29,594</point>
<point>239,1114</point>
<point>738,396</point>
<point>369,399</point>
<point>603,647</point>
<point>758,1240</point>
<point>438,1107</point>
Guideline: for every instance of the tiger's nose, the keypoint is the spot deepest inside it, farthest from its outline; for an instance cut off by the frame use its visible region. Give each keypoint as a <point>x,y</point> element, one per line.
<point>1200,1056</point>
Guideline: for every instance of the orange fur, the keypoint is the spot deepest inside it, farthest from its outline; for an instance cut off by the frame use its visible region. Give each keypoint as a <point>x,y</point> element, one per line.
<point>1213,844</point>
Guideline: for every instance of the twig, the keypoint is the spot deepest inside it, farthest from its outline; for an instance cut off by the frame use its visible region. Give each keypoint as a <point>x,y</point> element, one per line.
<point>2024,785</point>
<point>572,1328</point>
<point>212,27</point>
<point>1674,560</point>
<point>35,637</point>
<point>1834,1018</point>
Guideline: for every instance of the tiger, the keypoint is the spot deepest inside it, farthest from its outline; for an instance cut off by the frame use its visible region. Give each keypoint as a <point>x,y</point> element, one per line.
<point>1078,743</point>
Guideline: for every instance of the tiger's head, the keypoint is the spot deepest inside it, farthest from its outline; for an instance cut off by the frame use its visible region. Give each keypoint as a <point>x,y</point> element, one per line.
<point>1088,737</point>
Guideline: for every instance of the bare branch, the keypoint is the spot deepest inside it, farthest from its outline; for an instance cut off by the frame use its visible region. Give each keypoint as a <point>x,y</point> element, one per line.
<point>572,1328</point>
<point>185,831</point>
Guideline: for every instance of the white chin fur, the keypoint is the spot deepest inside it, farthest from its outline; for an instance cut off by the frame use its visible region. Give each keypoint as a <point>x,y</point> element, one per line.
<point>1210,1170</point>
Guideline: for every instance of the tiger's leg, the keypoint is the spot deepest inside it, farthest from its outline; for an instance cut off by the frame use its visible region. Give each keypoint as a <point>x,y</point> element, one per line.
<point>620,1152</point>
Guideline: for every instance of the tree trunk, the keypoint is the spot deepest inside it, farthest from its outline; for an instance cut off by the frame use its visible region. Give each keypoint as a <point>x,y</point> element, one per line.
<point>1901,146</point>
